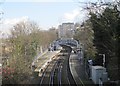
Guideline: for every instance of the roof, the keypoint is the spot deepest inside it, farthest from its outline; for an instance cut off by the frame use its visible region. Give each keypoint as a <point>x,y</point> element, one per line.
<point>98,67</point>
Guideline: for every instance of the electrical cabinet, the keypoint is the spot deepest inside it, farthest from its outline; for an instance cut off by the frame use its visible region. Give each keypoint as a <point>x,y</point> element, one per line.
<point>98,72</point>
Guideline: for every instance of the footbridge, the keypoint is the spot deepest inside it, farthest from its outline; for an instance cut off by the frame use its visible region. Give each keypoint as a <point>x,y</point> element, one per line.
<point>66,42</point>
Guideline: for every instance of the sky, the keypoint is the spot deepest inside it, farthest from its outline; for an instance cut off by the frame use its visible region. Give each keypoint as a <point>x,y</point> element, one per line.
<point>46,13</point>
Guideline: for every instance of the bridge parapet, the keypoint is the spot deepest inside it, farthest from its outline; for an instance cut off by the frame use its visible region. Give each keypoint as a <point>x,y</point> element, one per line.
<point>66,41</point>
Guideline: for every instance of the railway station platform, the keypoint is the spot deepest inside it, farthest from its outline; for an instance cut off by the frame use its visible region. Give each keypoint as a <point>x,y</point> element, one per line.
<point>43,59</point>
<point>77,69</point>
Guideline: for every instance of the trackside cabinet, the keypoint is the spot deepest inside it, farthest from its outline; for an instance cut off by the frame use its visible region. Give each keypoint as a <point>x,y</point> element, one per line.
<point>98,72</point>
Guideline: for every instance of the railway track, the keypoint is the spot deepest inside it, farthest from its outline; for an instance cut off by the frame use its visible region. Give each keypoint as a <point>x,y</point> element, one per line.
<point>47,75</point>
<point>58,72</point>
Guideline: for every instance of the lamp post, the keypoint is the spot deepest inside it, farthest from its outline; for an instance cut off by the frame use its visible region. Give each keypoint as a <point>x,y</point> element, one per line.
<point>103,59</point>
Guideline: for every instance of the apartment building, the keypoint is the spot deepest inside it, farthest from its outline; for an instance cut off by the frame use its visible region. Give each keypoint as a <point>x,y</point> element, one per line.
<point>66,30</point>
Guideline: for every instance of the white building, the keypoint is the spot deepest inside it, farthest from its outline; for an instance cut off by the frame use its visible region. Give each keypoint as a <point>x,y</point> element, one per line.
<point>66,30</point>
